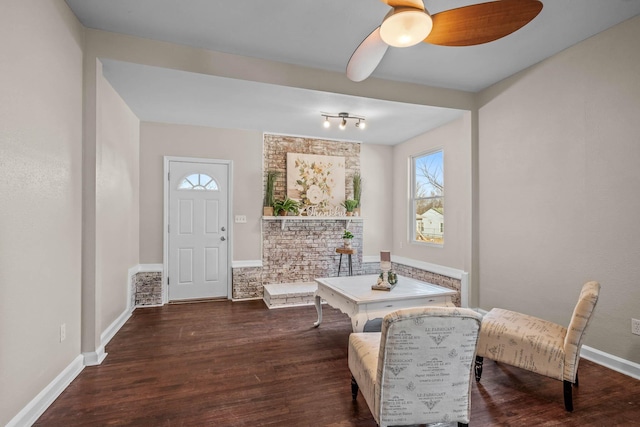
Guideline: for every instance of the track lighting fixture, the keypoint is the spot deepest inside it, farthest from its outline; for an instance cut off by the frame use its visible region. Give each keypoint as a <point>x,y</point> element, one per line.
<point>343,120</point>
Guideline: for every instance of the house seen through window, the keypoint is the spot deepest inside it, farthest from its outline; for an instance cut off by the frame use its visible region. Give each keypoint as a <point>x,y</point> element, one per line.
<point>427,198</point>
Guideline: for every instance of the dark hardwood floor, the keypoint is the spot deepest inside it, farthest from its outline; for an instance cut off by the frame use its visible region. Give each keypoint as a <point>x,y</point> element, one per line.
<point>240,364</point>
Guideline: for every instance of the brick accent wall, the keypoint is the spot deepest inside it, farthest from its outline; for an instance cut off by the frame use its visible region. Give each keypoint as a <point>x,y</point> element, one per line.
<point>247,282</point>
<point>148,288</point>
<point>275,151</point>
<point>305,250</point>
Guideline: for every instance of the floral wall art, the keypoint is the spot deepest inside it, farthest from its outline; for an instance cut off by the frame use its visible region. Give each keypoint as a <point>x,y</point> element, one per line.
<point>316,181</point>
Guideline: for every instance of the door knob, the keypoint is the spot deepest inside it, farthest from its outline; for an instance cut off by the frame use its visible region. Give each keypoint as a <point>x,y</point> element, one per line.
<point>222,238</point>
<point>223,229</point>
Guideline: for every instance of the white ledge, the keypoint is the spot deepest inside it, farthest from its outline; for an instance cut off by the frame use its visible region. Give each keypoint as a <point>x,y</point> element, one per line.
<point>284,219</point>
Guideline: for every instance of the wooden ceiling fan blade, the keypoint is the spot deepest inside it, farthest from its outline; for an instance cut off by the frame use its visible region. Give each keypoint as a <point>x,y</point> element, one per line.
<point>366,57</point>
<point>417,4</point>
<point>481,23</point>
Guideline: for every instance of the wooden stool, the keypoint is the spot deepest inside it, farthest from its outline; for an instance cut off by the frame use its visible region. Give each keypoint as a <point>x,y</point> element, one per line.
<point>348,252</point>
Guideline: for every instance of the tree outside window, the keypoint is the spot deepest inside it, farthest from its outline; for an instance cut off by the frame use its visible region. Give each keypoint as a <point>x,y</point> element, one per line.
<point>427,198</point>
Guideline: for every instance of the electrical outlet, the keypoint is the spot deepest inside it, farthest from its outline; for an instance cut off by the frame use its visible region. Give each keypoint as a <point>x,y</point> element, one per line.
<point>241,219</point>
<point>635,326</point>
<point>63,332</point>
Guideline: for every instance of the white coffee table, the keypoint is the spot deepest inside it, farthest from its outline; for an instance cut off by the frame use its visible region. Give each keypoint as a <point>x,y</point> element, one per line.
<point>353,296</point>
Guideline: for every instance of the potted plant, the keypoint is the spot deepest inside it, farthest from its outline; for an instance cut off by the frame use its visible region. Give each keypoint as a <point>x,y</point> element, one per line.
<point>357,191</point>
<point>285,206</point>
<point>269,198</point>
<point>350,205</point>
<point>347,236</point>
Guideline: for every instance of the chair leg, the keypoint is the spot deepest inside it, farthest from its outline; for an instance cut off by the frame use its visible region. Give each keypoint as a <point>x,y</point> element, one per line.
<point>576,383</point>
<point>463,425</point>
<point>478,367</point>
<point>354,388</point>
<point>568,398</point>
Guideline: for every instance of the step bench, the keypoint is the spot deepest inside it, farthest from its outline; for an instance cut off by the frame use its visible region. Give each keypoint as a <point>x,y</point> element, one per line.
<point>280,295</point>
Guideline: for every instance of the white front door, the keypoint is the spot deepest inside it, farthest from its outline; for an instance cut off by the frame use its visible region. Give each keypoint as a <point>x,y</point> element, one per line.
<point>198,230</point>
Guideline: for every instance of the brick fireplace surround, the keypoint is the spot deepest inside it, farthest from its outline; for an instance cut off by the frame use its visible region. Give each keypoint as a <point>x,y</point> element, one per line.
<point>305,249</point>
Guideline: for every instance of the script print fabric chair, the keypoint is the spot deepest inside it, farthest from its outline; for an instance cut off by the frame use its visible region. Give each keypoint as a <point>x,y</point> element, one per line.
<point>419,368</point>
<point>537,345</point>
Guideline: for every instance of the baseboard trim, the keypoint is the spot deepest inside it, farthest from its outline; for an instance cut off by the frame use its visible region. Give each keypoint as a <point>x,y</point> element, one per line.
<point>93,358</point>
<point>610,361</point>
<point>245,299</point>
<point>115,326</point>
<point>146,306</point>
<point>34,409</point>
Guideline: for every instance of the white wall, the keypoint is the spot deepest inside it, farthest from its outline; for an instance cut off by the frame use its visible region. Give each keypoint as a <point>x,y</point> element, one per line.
<point>117,194</point>
<point>244,148</point>
<point>40,172</point>
<point>455,140</point>
<point>376,169</point>
<point>559,173</point>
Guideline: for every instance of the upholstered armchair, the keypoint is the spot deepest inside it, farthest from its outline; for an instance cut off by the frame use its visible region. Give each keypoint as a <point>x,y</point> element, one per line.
<point>418,369</point>
<point>538,345</point>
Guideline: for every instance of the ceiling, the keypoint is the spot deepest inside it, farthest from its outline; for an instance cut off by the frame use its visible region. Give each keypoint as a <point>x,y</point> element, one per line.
<point>323,35</point>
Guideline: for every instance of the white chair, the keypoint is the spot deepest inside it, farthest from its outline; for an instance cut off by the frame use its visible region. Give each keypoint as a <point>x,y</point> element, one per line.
<point>418,369</point>
<point>538,345</point>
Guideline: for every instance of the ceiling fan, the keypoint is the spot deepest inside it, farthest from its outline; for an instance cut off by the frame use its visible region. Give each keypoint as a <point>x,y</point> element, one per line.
<point>409,23</point>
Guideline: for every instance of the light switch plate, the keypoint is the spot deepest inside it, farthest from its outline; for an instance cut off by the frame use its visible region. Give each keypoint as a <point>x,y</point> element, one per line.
<point>240,219</point>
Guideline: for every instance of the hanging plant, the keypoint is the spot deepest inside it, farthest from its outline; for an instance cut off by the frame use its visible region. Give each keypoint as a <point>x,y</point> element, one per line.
<point>357,188</point>
<point>269,198</point>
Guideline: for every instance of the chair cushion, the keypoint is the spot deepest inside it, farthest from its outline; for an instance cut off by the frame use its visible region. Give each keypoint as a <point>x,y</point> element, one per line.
<point>523,341</point>
<point>428,358</point>
<point>363,363</point>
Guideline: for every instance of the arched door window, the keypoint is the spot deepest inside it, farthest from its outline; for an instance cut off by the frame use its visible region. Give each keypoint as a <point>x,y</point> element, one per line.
<point>198,181</point>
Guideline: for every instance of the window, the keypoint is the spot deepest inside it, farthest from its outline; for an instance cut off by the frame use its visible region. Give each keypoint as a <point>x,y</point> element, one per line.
<point>198,181</point>
<point>427,198</point>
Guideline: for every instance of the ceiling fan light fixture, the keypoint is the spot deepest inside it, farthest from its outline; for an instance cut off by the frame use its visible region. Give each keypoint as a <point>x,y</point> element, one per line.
<point>405,26</point>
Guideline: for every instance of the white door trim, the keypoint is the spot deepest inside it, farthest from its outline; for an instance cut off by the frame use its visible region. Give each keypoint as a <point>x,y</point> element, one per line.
<point>165,232</point>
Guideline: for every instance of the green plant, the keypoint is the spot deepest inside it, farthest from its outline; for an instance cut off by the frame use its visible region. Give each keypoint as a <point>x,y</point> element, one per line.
<point>357,188</point>
<point>350,205</point>
<point>347,235</point>
<point>286,205</point>
<point>269,199</point>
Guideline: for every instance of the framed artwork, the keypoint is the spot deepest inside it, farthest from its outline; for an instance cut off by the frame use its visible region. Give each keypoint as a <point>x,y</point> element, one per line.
<point>316,181</point>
